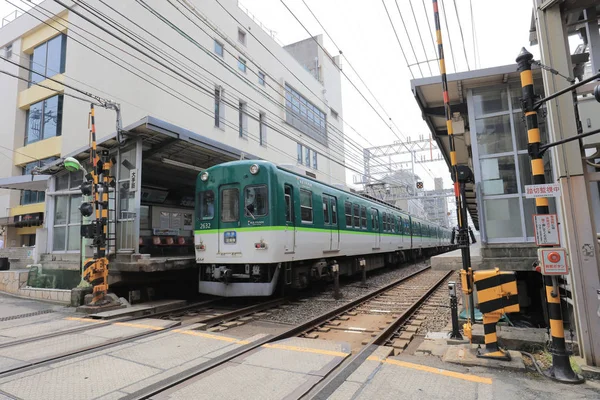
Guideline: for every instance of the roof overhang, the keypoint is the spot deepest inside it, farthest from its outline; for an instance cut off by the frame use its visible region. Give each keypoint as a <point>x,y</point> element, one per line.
<point>160,139</point>
<point>25,182</point>
<point>428,95</point>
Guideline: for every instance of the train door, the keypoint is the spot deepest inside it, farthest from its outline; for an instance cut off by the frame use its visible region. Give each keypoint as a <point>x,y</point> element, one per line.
<point>330,221</point>
<point>290,227</point>
<point>376,228</point>
<point>229,219</point>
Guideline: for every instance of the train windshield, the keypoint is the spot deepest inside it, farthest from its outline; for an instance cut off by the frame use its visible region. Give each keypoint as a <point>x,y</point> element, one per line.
<point>230,205</point>
<point>206,204</point>
<point>255,200</point>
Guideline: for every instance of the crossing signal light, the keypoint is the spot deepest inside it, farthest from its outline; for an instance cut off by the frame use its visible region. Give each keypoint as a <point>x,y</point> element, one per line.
<point>86,209</point>
<point>419,185</point>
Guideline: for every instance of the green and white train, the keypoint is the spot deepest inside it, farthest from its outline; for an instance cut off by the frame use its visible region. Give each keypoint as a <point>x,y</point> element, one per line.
<point>258,224</point>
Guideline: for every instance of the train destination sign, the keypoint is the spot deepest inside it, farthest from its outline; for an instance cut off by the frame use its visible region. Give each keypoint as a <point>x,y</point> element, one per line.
<point>545,190</point>
<point>546,229</point>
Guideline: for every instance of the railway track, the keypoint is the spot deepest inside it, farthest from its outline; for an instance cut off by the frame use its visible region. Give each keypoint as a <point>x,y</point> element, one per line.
<point>397,302</point>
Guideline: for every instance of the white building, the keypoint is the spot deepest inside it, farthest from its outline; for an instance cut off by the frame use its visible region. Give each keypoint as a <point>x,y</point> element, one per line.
<point>215,88</point>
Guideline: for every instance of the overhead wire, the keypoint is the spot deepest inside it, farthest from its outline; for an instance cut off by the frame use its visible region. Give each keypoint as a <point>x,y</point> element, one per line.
<point>473,33</point>
<point>398,39</point>
<point>274,130</point>
<point>218,59</point>
<point>349,80</point>
<point>443,9</point>
<point>409,40</point>
<point>430,32</point>
<point>420,36</point>
<point>462,37</point>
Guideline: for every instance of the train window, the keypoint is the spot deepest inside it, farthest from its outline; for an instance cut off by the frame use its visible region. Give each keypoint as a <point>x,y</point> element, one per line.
<point>356,215</point>
<point>325,210</point>
<point>289,209</point>
<point>363,217</point>
<point>348,211</point>
<point>230,205</point>
<point>306,211</point>
<point>333,211</point>
<point>384,220</point>
<point>206,204</point>
<point>400,225</point>
<point>255,201</point>
<point>393,224</point>
<point>375,219</point>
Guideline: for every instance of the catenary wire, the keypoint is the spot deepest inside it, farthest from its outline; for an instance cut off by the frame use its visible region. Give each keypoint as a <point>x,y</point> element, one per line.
<point>409,40</point>
<point>430,32</point>
<point>443,8</point>
<point>420,36</point>
<point>295,157</point>
<point>462,37</point>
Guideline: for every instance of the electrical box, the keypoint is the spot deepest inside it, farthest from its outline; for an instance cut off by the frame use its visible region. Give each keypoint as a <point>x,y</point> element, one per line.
<point>553,261</point>
<point>589,114</point>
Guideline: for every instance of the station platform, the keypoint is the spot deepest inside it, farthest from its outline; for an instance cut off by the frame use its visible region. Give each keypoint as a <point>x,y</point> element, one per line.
<point>452,260</point>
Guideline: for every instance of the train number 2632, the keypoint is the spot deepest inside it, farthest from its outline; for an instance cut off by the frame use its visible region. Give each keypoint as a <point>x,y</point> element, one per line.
<point>205,225</point>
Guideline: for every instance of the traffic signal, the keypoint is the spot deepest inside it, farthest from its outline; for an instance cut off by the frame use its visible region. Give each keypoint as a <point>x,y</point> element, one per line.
<point>419,185</point>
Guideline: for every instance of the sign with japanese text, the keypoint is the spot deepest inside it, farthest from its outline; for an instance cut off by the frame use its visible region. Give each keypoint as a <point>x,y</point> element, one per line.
<point>546,229</point>
<point>553,261</point>
<point>546,190</point>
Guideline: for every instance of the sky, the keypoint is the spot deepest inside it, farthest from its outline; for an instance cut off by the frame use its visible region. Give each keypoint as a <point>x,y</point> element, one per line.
<point>368,43</point>
<point>363,33</point>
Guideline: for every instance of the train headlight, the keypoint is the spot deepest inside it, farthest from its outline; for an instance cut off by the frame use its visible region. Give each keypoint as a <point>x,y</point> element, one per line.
<point>204,176</point>
<point>254,169</point>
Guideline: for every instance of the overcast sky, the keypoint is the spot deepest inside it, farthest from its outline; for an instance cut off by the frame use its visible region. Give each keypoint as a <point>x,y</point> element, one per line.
<point>363,32</point>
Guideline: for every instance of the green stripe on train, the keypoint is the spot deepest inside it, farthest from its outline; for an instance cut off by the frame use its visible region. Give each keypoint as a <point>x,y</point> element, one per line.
<point>299,228</point>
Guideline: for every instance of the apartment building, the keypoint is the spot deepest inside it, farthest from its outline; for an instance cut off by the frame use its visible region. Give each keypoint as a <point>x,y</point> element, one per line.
<point>196,85</point>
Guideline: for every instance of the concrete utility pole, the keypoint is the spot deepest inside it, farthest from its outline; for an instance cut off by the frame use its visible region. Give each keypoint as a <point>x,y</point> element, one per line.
<point>578,227</point>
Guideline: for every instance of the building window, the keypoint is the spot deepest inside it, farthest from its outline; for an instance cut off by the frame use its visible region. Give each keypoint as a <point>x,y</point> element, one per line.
<point>67,222</point>
<point>243,120</point>
<point>48,59</point>
<point>32,196</point>
<point>262,126</point>
<point>314,155</point>
<point>334,114</point>
<point>305,116</point>
<point>299,147</point>
<point>8,51</point>
<point>307,157</point>
<point>241,36</point>
<point>219,108</point>
<point>306,211</point>
<point>242,65</point>
<point>44,119</point>
<point>219,48</point>
<point>261,78</point>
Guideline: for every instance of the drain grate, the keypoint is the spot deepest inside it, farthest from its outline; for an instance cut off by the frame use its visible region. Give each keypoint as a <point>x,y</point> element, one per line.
<point>31,314</point>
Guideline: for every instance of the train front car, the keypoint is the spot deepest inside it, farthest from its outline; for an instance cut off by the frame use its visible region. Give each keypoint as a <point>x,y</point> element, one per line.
<point>234,239</point>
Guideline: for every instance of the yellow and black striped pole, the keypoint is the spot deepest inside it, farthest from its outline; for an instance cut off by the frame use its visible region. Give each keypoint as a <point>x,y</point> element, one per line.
<point>461,209</point>
<point>96,268</point>
<point>561,368</point>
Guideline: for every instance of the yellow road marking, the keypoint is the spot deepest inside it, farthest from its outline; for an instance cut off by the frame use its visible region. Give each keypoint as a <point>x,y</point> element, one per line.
<point>451,374</point>
<point>97,321</point>
<point>209,336</point>
<point>306,350</point>
<point>142,326</point>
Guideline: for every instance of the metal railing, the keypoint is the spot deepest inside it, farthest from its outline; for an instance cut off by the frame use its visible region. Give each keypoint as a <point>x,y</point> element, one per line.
<point>126,227</point>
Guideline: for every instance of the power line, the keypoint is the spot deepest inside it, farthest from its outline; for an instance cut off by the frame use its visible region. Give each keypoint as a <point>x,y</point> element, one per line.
<point>473,34</point>
<point>430,32</point>
<point>443,8</point>
<point>461,34</point>
<point>274,129</point>
<point>343,73</point>
<point>420,36</point>
<point>409,40</point>
<point>398,40</point>
<point>44,86</point>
